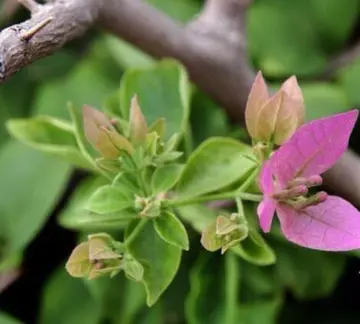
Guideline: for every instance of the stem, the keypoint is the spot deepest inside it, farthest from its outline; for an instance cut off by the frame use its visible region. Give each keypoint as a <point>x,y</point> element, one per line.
<point>136,231</point>
<point>223,196</point>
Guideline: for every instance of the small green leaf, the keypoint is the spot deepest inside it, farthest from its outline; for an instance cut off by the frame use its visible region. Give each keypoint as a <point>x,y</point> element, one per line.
<point>254,249</point>
<point>171,230</point>
<point>75,215</point>
<point>163,90</point>
<point>215,164</point>
<point>209,239</point>
<point>133,269</point>
<point>159,259</point>
<point>49,135</point>
<point>159,127</point>
<point>109,199</point>
<point>79,263</point>
<point>166,177</point>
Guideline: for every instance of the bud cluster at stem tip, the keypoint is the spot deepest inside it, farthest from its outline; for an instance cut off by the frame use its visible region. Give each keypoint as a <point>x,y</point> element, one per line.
<point>274,118</point>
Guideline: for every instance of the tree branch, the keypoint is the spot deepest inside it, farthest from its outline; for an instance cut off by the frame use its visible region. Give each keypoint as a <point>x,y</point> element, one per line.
<point>212,47</point>
<point>342,60</point>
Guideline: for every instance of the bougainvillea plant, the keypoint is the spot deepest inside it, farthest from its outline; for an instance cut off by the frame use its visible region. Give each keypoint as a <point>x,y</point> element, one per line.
<point>150,187</point>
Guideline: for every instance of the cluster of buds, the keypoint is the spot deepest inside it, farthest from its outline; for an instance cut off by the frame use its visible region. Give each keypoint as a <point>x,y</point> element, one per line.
<point>273,119</point>
<point>117,139</point>
<point>99,256</point>
<point>149,207</point>
<point>225,232</point>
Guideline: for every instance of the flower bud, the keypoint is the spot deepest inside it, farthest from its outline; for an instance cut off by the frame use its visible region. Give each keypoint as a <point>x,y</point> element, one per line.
<point>137,123</point>
<point>274,118</point>
<point>94,258</point>
<point>102,135</point>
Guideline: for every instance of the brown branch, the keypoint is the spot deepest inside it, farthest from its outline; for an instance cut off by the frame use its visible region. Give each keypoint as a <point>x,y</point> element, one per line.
<point>212,47</point>
<point>342,60</point>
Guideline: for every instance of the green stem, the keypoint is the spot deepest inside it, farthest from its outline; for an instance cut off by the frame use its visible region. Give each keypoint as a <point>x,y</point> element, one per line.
<point>222,196</point>
<point>136,231</point>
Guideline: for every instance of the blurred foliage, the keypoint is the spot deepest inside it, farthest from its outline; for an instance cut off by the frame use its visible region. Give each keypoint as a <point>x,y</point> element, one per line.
<point>284,38</point>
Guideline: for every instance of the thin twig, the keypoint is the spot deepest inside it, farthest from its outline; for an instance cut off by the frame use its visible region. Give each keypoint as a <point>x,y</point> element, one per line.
<point>344,59</point>
<point>26,35</point>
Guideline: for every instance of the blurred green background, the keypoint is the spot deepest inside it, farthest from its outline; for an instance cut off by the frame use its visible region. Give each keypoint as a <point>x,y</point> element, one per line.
<point>285,37</point>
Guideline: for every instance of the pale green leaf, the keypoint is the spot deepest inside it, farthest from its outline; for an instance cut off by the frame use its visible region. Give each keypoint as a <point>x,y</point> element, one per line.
<point>171,230</point>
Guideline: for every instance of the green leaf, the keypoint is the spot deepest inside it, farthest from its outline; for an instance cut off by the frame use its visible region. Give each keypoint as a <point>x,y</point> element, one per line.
<point>171,230</point>
<point>254,249</point>
<point>215,164</point>
<point>49,135</point>
<point>67,301</point>
<point>86,84</point>
<point>31,183</point>
<point>335,32</point>
<point>7,319</point>
<point>198,216</point>
<point>296,50</point>
<point>232,283</point>
<point>13,105</point>
<point>159,259</point>
<point>166,177</point>
<point>207,118</point>
<point>127,55</point>
<point>323,99</point>
<point>262,311</point>
<point>76,216</point>
<point>205,302</point>
<point>349,78</point>
<point>309,274</point>
<point>163,90</point>
<point>109,199</point>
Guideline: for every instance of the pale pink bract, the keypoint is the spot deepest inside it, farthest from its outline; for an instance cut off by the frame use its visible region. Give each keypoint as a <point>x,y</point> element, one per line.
<point>326,222</point>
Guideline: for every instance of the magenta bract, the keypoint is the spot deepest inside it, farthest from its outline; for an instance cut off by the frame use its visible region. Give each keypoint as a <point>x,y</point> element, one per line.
<point>320,221</point>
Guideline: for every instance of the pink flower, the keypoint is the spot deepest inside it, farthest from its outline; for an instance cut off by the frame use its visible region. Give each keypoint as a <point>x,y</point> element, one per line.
<point>318,221</point>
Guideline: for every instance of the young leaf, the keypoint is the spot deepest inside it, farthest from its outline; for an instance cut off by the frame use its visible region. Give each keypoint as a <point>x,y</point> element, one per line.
<point>171,230</point>
<point>101,247</point>
<point>163,90</point>
<point>215,164</point>
<point>159,259</point>
<point>49,135</point>
<point>75,216</point>
<point>209,239</point>
<point>159,127</point>
<point>109,199</point>
<point>133,269</point>
<point>79,263</point>
<point>254,249</point>
<point>166,177</point>
<point>102,134</point>
<point>138,127</point>
<point>84,146</point>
